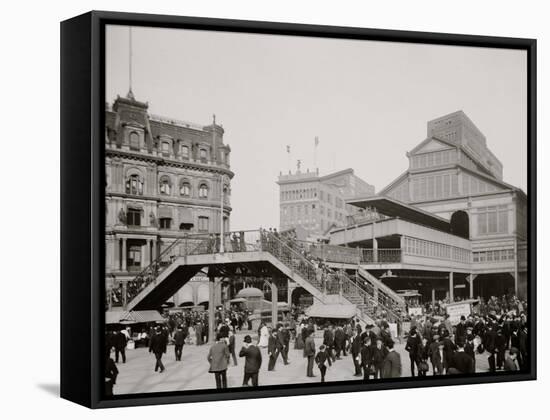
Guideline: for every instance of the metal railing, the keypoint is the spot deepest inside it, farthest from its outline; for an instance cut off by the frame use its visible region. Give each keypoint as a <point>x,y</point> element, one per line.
<point>128,291</point>
<point>330,281</point>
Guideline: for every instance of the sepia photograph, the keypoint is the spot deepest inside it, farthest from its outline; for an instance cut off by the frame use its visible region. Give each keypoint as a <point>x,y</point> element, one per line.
<point>293,210</point>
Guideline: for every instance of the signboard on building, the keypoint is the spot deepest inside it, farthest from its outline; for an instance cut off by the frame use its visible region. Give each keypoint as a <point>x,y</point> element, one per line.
<point>415,311</point>
<point>456,310</point>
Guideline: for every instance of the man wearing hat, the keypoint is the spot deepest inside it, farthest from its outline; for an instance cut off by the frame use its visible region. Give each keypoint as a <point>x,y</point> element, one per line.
<point>179,341</point>
<point>460,329</point>
<point>434,348</point>
<point>461,362</point>
<point>274,347</point>
<point>413,347</point>
<point>224,330</point>
<point>392,363</point>
<point>369,333</point>
<point>500,347</point>
<point>469,345</point>
<point>158,347</point>
<point>218,358</point>
<point>120,341</point>
<point>309,352</point>
<point>253,361</point>
<point>490,345</point>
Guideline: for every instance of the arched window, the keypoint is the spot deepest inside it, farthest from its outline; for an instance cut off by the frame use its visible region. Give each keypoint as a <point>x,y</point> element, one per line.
<point>165,186</point>
<point>185,151</point>
<point>203,191</point>
<point>165,148</point>
<point>134,141</point>
<point>203,155</point>
<point>134,185</point>
<point>185,189</point>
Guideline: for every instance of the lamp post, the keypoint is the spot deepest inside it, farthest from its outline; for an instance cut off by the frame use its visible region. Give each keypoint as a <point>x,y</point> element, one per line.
<point>222,178</point>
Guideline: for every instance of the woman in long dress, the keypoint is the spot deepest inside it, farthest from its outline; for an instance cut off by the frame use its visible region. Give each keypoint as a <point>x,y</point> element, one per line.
<point>264,336</point>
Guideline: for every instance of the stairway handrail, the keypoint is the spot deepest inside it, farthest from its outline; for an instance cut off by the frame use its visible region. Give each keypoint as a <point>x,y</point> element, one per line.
<point>155,264</point>
<point>387,290</point>
<point>329,270</point>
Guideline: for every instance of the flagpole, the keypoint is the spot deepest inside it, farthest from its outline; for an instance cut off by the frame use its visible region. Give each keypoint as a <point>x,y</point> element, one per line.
<point>130,59</point>
<point>289,159</point>
<point>316,143</point>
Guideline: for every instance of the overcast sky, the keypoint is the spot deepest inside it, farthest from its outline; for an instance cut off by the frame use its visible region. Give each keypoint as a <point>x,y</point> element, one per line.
<point>368,102</point>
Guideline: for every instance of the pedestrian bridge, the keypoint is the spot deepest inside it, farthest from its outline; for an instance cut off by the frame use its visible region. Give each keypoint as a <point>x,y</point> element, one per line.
<point>256,253</point>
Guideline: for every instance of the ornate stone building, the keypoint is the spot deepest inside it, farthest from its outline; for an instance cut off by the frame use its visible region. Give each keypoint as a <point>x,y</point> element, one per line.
<point>164,179</point>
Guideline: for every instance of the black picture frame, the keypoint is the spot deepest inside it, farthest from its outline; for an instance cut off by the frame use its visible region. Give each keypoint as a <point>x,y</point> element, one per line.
<point>82,202</point>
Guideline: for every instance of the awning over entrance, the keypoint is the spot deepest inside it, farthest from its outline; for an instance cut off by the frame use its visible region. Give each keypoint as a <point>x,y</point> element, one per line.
<point>393,208</point>
<point>343,311</point>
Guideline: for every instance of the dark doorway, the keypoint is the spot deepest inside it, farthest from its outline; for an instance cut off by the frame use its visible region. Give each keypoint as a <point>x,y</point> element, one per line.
<point>460,224</point>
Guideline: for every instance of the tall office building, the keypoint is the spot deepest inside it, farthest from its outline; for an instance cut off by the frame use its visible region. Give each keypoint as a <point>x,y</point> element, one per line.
<point>317,203</point>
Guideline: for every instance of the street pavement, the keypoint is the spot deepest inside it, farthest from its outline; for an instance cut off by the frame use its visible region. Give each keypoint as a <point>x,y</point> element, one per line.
<point>137,375</point>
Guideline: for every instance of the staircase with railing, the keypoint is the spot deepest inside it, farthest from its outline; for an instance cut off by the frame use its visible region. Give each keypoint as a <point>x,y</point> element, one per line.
<point>185,245</point>
<point>368,298</point>
<point>386,296</point>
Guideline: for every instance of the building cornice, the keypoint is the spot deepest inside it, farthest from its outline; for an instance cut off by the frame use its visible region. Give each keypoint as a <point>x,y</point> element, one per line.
<point>162,161</point>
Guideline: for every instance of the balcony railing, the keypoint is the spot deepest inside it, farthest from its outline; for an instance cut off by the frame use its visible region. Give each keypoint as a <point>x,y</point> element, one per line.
<point>381,255</point>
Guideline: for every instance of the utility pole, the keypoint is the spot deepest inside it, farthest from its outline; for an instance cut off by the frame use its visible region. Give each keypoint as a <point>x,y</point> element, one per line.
<point>222,178</point>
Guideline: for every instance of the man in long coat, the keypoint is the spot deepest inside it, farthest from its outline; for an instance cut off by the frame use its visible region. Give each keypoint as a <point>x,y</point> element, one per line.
<point>253,361</point>
<point>392,363</point>
<point>218,357</point>
<point>309,352</point>
<point>157,346</point>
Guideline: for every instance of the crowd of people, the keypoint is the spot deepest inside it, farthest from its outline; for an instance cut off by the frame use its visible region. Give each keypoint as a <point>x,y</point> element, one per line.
<point>434,345</point>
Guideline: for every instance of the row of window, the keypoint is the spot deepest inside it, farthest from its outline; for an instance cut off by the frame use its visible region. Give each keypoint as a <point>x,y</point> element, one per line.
<point>427,160</point>
<point>492,220</point>
<point>134,216</point>
<point>431,249</point>
<point>491,256</point>
<point>293,211</point>
<point>299,194</point>
<point>441,186</point>
<point>474,185</point>
<point>311,193</point>
<point>184,150</point>
<point>134,186</point>
<point>307,209</point>
<point>435,187</point>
